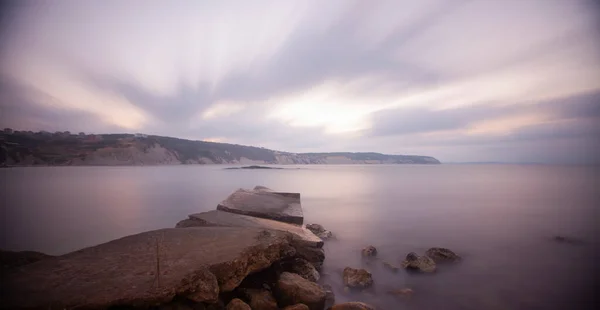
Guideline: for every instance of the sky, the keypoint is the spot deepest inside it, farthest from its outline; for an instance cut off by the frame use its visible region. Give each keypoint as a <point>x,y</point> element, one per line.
<point>463,81</point>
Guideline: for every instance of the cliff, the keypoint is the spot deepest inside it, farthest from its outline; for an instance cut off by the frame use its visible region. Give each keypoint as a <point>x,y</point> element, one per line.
<point>64,149</point>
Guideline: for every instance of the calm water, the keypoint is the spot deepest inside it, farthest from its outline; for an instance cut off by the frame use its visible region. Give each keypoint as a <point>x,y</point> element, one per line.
<point>500,218</point>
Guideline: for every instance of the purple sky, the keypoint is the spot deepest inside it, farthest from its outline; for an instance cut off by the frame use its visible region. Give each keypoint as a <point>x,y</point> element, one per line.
<point>513,81</point>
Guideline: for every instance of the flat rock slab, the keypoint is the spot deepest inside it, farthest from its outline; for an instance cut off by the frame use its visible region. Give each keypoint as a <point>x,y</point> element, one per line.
<point>265,203</point>
<point>221,218</point>
<point>191,262</point>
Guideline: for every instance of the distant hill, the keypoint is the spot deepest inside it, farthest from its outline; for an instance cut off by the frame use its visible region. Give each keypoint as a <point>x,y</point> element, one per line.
<point>26,148</point>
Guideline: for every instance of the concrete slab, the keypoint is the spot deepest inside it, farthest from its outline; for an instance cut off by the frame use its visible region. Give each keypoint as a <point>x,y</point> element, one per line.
<point>265,203</point>
<point>146,269</point>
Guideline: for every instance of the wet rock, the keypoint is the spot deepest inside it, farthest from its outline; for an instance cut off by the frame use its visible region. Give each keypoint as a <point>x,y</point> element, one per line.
<point>260,299</point>
<point>390,267</point>
<point>320,231</point>
<point>369,251</point>
<point>147,269</point>
<point>315,256</point>
<point>296,307</point>
<point>403,292</point>
<point>237,304</point>
<point>265,203</point>
<point>441,255</point>
<point>329,295</point>
<point>293,289</point>
<point>303,268</point>
<point>357,278</point>
<point>420,263</point>
<point>352,306</point>
<point>10,259</point>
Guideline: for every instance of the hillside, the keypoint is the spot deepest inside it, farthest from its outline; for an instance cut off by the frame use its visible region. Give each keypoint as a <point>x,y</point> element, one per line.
<point>26,148</point>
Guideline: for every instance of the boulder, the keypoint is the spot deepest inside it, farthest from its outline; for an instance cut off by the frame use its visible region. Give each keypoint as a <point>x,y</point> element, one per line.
<point>420,263</point>
<point>369,251</point>
<point>303,268</point>
<point>390,267</point>
<point>237,304</point>
<point>315,256</point>
<point>296,307</point>
<point>354,305</point>
<point>261,299</point>
<point>146,269</point>
<point>441,255</point>
<point>293,289</point>
<point>357,278</point>
<point>265,203</point>
<point>320,231</point>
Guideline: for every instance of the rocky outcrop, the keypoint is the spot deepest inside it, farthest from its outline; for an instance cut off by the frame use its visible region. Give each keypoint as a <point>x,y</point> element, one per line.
<point>352,306</point>
<point>320,231</point>
<point>264,203</point>
<point>369,251</point>
<point>419,263</point>
<point>293,289</point>
<point>442,255</point>
<point>237,304</point>
<point>147,269</point>
<point>357,278</point>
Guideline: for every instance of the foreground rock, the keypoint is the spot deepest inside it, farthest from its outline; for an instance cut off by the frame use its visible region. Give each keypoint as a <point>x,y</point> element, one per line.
<point>303,268</point>
<point>369,251</point>
<point>296,307</point>
<point>320,231</point>
<point>357,278</point>
<point>442,255</point>
<point>307,245</point>
<point>265,203</point>
<point>147,269</point>
<point>352,306</point>
<point>293,289</point>
<point>419,263</point>
<point>261,299</point>
<point>10,259</point>
<point>237,304</point>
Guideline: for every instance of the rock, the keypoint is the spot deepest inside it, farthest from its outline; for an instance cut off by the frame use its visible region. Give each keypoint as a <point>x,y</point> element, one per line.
<point>329,295</point>
<point>188,263</point>
<point>10,259</point>
<point>357,278</point>
<point>296,307</point>
<point>307,245</point>
<point>403,292</point>
<point>440,255</point>
<point>421,263</point>
<point>293,289</point>
<point>265,203</point>
<point>303,268</point>
<point>390,267</point>
<point>354,305</point>
<point>261,299</point>
<point>369,251</point>
<point>237,304</point>
<point>320,231</point>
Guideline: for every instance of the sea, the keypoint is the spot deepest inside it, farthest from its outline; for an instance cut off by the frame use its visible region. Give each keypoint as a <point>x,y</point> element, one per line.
<point>501,219</point>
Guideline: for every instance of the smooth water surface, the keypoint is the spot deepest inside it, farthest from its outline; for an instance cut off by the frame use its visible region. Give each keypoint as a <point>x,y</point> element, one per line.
<point>500,218</point>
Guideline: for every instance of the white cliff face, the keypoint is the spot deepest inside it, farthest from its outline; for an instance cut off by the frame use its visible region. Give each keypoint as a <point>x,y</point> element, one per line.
<point>131,155</point>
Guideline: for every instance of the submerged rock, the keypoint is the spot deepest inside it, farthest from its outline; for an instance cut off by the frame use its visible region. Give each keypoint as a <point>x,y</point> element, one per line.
<point>420,263</point>
<point>357,278</point>
<point>320,231</point>
<point>303,268</point>
<point>441,255</point>
<point>369,251</point>
<point>567,240</point>
<point>329,295</point>
<point>265,203</point>
<point>146,269</point>
<point>403,292</point>
<point>237,304</point>
<point>354,305</point>
<point>261,299</point>
<point>293,289</point>
<point>390,267</point>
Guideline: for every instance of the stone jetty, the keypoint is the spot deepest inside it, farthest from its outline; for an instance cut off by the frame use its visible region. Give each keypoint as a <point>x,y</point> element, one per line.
<point>202,262</point>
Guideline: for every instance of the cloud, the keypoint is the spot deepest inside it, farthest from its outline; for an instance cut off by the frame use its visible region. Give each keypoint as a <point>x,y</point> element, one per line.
<point>446,78</point>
